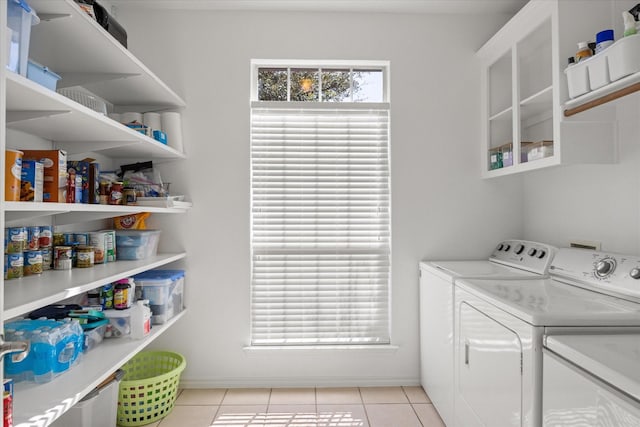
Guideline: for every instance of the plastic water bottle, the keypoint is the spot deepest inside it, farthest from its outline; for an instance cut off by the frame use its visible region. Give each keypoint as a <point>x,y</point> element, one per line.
<point>140,319</point>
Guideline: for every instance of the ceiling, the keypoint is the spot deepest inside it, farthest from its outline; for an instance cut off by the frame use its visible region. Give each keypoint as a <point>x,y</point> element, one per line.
<point>386,6</point>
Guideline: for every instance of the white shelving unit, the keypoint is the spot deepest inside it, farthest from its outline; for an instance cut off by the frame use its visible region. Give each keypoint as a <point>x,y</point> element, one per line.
<point>524,88</point>
<point>73,45</point>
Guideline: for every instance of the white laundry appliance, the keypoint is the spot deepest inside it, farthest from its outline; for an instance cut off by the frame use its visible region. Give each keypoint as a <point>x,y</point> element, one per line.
<point>510,259</point>
<point>500,326</point>
<point>591,380</point>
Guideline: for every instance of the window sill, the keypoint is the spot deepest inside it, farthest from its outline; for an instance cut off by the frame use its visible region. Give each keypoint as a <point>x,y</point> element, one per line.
<point>314,348</point>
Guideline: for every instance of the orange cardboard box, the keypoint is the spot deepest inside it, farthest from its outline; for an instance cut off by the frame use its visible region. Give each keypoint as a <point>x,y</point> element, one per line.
<point>55,173</point>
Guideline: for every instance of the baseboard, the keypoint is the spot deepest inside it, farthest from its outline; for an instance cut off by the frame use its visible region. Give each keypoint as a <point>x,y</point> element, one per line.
<point>296,382</point>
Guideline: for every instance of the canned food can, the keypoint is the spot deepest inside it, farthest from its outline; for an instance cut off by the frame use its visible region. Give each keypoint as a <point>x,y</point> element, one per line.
<point>62,258</point>
<point>58,239</point>
<point>85,256</point>
<point>46,258</point>
<point>33,238</point>
<point>13,266</point>
<point>15,240</point>
<point>110,246</point>
<point>46,236</point>
<point>106,296</point>
<point>69,238</point>
<point>32,263</point>
<point>97,240</point>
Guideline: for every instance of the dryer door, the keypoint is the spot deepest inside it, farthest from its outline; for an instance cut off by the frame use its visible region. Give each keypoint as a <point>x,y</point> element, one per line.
<point>489,371</point>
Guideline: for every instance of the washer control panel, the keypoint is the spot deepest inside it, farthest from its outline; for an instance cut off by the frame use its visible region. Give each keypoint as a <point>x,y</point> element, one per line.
<point>616,274</point>
<point>530,256</point>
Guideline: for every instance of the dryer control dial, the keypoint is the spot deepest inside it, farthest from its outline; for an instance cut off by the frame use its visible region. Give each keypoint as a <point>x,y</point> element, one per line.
<point>519,248</point>
<point>605,267</point>
<point>635,273</point>
<point>541,254</point>
<point>532,251</point>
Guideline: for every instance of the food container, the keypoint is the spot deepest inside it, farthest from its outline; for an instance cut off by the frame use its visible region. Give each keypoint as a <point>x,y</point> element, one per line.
<point>47,258</point>
<point>31,181</point>
<point>83,97</point>
<point>85,256</point>
<point>165,291</point>
<point>20,18</point>
<point>577,79</point>
<point>624,57</point>
<point>42,75</point>
<point>136,244</point>
<point>15,240</point>
<point>33,238</point>
<point>12,175</point>
<point>13,266</point>
<point>62,257</point>
<point>32,263</point>
<point>55,173</point>
<point>119,323</point>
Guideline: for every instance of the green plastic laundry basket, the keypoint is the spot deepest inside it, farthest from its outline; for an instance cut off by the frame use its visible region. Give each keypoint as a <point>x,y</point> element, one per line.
<point>149,387</point>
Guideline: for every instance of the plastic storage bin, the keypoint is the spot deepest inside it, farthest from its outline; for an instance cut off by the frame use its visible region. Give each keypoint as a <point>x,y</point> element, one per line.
<point>539,150</point>
<point>598,70</point>
<point>149,388</point>
<point>119,323</point>
<point>624,57</point>
<point>577,79</point>
<point>136,244</point>
<point>99,408</point>
<point>20,18</point>
<point>165,291</point>
<point>42,75</point>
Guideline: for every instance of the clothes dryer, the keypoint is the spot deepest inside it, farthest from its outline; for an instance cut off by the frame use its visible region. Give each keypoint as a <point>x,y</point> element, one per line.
<point>510,259</point>
<point>500,326</point>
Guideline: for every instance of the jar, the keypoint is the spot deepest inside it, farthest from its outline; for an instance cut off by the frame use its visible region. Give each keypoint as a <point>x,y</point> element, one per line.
<point>85,256</point>
<point>58,239</point>
<point>129,196</point>
<point>584,51</point>
<point>104,193</point>
<point>121,294</point>
<point>115,194</point>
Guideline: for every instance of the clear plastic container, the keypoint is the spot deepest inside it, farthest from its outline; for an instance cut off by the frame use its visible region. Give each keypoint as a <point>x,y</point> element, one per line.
<point>136,244</point>
<point>165,291</point>
<point>20,18</point>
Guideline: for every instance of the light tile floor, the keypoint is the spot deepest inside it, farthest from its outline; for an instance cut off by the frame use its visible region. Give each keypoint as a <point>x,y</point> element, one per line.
<point>303,407</point>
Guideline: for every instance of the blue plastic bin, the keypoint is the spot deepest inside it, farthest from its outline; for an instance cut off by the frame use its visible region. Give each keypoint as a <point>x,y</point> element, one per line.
<point>20,18</point>
<point>42,75</point>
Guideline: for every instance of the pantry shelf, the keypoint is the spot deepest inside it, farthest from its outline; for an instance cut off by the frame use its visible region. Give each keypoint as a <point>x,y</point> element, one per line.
<point>70,213</point>
<point>79,37</point>
<point>618,89</point>
<point>26,294</point>
<point>38,405</point>
<point>74,127</point>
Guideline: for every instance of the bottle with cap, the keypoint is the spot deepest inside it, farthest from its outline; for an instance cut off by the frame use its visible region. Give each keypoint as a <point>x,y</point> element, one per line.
<point>583,51</point>
<point>604,39</point>
<point>629,24</point>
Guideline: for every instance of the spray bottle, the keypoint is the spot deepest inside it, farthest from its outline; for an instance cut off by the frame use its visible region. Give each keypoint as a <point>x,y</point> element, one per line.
<point>629,24</point>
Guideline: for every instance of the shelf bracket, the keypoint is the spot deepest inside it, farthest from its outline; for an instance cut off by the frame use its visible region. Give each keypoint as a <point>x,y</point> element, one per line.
<point>78,79</point>
<point>21,116</point>
<point>48,17</point>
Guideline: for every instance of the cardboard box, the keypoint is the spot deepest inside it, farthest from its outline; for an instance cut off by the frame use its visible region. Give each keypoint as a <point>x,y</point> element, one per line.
<point>55,173</point>
<point>32,181</point>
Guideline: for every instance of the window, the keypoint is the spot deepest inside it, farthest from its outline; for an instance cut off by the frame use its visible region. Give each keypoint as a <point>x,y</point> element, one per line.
<point>320,205</point>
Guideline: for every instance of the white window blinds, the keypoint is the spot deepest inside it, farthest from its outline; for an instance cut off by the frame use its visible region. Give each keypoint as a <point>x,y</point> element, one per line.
<point>320,225</point>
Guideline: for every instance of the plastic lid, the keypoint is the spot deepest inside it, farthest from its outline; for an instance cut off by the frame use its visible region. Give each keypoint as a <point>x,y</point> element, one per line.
<point>582,45</point>
<point>159,275</point>
<point>604,36</point>
<point>23,4</point>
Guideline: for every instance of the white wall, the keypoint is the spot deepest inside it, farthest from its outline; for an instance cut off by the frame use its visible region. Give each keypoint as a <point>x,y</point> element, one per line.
<point>441,207</point>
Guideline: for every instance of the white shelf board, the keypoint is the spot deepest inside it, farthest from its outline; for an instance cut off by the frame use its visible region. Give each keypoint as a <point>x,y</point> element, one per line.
<point>70,213</point>
<point>36,110</point>
<point>502,115</point>
<point>523,167</point>
<point>537,104</point>
<point>75,46</point>
<point>40,404</point>
<point>26,294</point>
<point>603,91</point>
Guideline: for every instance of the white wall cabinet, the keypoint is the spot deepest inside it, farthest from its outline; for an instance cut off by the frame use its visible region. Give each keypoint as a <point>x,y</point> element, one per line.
<point>73,45</point>
<point>524,89</point>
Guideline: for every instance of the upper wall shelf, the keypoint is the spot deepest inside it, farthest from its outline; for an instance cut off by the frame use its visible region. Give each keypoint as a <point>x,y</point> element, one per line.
<point>39,111</point>
<point>612,91</point>
<point>83,55</point>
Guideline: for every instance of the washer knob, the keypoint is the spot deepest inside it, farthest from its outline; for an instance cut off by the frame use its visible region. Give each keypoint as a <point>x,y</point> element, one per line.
<point>500,246</point>
<point>635,273</point>
<point>507,247</point>
<point>541,254</point>
<point>532,252</point>
<point>518,250</point>
<point>605,267</point>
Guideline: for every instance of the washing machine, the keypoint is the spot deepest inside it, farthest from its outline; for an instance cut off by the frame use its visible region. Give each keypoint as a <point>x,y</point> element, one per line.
<point>509,260</point>
<point>500,327</point>
<point>591,380</point>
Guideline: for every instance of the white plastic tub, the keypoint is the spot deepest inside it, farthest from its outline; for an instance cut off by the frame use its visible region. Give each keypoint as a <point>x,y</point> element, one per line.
<point>577,79</point>
<point>624,57</point>
<point>598,70</point>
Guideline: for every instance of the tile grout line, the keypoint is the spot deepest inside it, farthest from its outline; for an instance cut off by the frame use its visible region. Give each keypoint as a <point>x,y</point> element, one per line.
<point>364,407</point>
